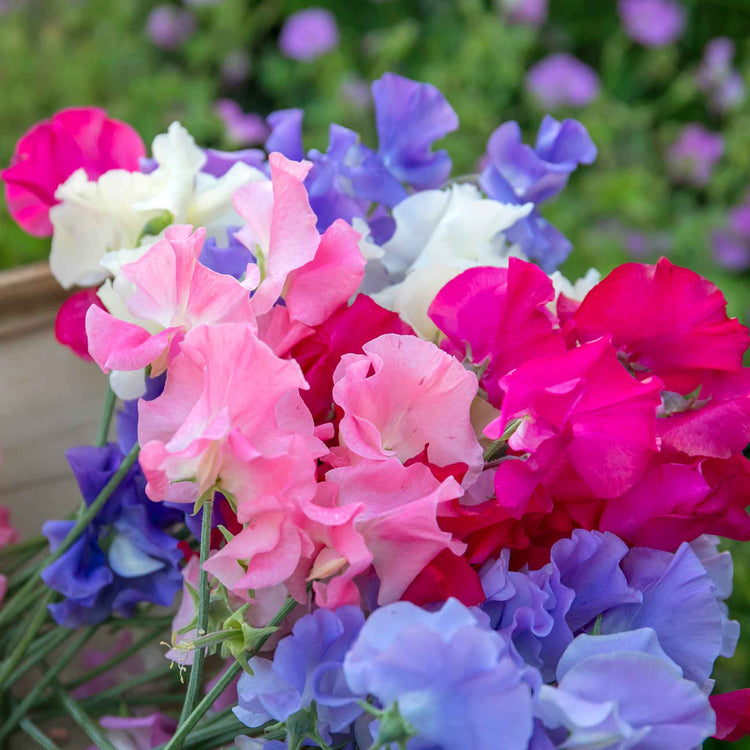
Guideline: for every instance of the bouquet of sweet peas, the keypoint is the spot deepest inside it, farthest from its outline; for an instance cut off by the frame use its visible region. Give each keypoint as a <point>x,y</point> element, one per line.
<point>416,488</point>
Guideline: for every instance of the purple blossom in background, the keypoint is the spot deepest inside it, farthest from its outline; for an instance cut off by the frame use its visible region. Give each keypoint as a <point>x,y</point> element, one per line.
<point>731,246</point>
<point>692,156</point>
<point>235,68</point>
<point>308,34</point>
<point>456,682</point>
<point>652,23</point>
<point>122,558</point>
<point>622,691</point>
<point>306,664</point>
<point>356,91</point>
<point>525,12</point>
<point>716,77</point>
<point>169,27</point>
<point>138,732</point>
<point>242,129</point>
<point>410,116</point>
<point>562,80</point>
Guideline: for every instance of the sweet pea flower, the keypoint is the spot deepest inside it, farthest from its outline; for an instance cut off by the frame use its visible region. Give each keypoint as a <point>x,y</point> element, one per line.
<point>404,396</point>
<point>715,76</point>
<point>732,715</point>
<point>169,27</point>
<point>210,428</point>
<point>50,152</point>
<point>157,299</point>
<point>455,682</point>
<point>113,212</point>
<point>731,245</point>
<point>624,690</point>
<point>499,318</point>
<point>308,34</point>
<point>691,158</point>
<point>241,129</point>
<point>652,23</point>
<point>562,80</point>
<point>8,535</point>
<point>70,322</point>
<point>439,234</point>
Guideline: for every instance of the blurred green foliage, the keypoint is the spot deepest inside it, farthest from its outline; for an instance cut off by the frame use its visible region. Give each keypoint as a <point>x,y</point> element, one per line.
<point>59,53</point>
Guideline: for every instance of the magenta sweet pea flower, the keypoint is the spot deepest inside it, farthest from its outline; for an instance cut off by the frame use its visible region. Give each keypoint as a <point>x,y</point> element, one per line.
<point>652,23</point>
<point>692,157</point>
<point>562,80</point>
<point>70,323</point>
<point>308,34</point>
<point>78,138</point>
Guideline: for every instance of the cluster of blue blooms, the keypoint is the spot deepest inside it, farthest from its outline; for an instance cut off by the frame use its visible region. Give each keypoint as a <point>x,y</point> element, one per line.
<point>584,652</point>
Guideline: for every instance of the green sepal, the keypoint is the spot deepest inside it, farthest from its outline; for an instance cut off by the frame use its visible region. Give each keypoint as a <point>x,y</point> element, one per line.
<point>157,225</point>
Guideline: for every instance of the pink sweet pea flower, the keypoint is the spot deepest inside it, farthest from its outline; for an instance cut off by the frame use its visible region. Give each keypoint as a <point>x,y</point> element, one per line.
<point>498,317</point>
<point>8,535</point>
<point>666,321</point>
<point>172,292</point>
<point>52,150</point>
<point>138,732</point>
<point>580,410</point>
<point>404,395</point>
<point>230,417</point>
<point>70,323</point>
<point>314,275</point>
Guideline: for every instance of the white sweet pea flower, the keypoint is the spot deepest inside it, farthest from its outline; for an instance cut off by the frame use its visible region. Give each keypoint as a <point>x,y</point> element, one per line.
<point>439,234</point>
<point>112,214</point>
<point>578,290</point>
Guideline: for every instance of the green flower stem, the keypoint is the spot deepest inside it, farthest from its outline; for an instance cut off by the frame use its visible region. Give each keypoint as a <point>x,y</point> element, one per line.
<point>109,407</point>
<point>49,674</point>
<point>19,601</point>
<point>37,735</point>
<point>35,622</point>
<point>186,726</point>
<point>51,641</point>
<point>81,718</point>
<point>107,696</point>
<point>117,659</point>
<point>35,543</point>
<point>215,729</point>
<point>202,623</point>
<point>143,621</point>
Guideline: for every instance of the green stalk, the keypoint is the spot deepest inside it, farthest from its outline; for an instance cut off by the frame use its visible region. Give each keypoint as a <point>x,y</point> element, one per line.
<point>18,602</point>
<point>49,674</point>
<point>50,641</point>
<point>202,623</point>
<point>186,726</point>
<point>37,735</point>
<point>214,730</point>
<point>114,692</point>
<point>36,621</point>
<point>81,718</point>
<point>113,662</point>
<point>109,407</point>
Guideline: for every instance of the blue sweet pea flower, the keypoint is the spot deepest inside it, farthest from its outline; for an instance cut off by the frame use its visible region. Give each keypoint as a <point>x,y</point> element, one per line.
<point>122,558</point>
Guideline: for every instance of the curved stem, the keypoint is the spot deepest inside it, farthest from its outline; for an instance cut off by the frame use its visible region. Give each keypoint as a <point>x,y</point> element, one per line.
<point>109,407</point>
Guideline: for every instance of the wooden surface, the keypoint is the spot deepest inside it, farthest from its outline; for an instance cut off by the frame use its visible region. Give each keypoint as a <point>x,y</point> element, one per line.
<point>50,400</point>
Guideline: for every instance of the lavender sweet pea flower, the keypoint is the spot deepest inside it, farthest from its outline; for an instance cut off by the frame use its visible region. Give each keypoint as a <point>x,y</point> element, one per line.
<point>525,12</point>
<point>122,558</point>
<point>623,692</point>
<point>308,659</point>
<point>456,682</point>
<point>562,80</point>
<point>231,260</point>
<point>308,34</point>
<point>218,163</point>
<point>242,129</point>
<point>676,583</point>
<point>286,133</point>
<point>652,23</point>
<point>169,27</point>
<point>692,157</point>
<point>410,116</point>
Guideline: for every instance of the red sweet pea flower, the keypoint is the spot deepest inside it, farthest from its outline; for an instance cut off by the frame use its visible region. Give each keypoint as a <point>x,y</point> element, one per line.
<point>82,137</point>
<point>732,715</point>
<point>70,323</point>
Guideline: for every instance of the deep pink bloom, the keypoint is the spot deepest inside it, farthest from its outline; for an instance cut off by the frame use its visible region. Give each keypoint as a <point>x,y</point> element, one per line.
<point>732,715</point>
<point>347,330</point>
<point>582,412</point>
<point>691,158</point>
<point>230,416</point>
<point>242,129</point>
<point>78,138</point>
<point>652,23</point>
<point>498,317</point>
<point>173,293</point>
<point>562,80</point>
<point>404,395</point>
<point>308,34</point>
<point>70,323</point>
<point>666,321</point>
<point>8,533</point>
